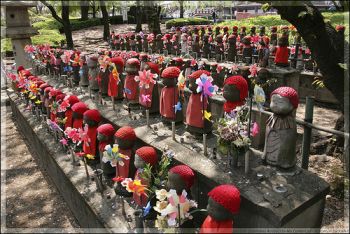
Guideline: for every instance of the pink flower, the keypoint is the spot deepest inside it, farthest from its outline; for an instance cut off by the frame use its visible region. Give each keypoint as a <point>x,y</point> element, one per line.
<point>253,70</point>
<point>145,78</point>
<point>63,106</point>
<point>255,129</point>
<point>145,98</point>
<point>64,141</point>
<point>219,68</point>
<point>193,62</point>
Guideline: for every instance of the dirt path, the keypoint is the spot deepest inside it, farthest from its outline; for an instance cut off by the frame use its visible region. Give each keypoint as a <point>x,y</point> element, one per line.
<point>32,201</point>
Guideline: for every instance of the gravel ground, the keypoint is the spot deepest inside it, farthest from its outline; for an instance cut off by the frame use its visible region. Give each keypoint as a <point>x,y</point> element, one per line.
<point>32,201</point>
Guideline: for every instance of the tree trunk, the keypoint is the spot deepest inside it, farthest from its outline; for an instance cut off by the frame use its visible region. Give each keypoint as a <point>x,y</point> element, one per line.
<point>93,6</point>
<point>181,8</point>
<point>104,20</point>
<point>113,10</point>
<point>138,17</point>
<point>84,9</point>
<point>66,24</point>
<point>153,18</point>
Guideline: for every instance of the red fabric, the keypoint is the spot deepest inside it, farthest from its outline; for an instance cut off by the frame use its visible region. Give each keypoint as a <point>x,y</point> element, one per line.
<point>132,85</point>
<point>93,115</point>
<point>133,61</point>
<point>106,130</point>
<point>228,196</point>
<point>89,146</point>
<point>282,54</point>
<point>167,103</point>
<point>123,171</point>
<point>148,154</point>
<point>112,86</point>
<point>171,72</point>
<point>140,200</point>
<point>186,174</point>
<point>240,83</point>
<point>229,106</point>
<point>144,91</point>
<point>60,97</point>
<point>69,121</point>
<point>126,133</point>
<point>78,123</point>
<point>211,225</point>
<point>194,114</point>
<point>289,93</point>
<point>20,68</point>
<point>118,61</point>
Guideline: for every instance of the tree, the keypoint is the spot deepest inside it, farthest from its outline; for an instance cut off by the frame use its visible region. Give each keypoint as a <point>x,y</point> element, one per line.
<point>152,14</point>
<point>181,8</point>
<point>104,20</point>
<point>84,9</point>
<point>94,9</point>
<point>64,20</point>
<point>138,17</point>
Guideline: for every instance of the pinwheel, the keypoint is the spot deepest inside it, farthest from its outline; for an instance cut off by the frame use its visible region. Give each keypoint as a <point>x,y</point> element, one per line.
<point>127,91</point>
<point>160,60</point>
<point>141,34</point>
<point>145,98</point>
<point>83,134</point>
<point>64,141</point>
<point>67,69</point>
<point>115,74</point>
<point>145,78</point>
<point>118,179</point>
<point>205,85</point>
<point>178,107</point>
<point>207,115</point>
<point>193,62</point>
<point>234,69</point>
<point>219,69</point>
<point>253,69</point>
<point>259,96</point>
<point>254,129</point>
<point>134,186</point>
<point>113,156</point>
<point>63,106</point>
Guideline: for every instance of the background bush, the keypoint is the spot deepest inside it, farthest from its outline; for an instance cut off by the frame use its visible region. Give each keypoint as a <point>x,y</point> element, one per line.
<point>186,21</point>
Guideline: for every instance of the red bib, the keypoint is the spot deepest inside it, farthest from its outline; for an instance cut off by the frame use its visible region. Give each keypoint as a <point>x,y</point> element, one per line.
<point>132,86</point>
<point>149,92</point>
<point>282,55</point>
<point>211,225</point>
<point>89,146</point>
<point>194,114</point>
<point>69,120</point>
<point>78,123</point>
<point>167,103</point>
<point>123,171</point>
<point>112,86</point>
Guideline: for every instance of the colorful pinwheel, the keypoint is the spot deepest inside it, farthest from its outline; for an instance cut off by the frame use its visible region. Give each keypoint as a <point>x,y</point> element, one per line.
<point>253,69</point>
<point>259,96</point>
<point>178,107</point>
<point>145,78</point>
<point>113,156</point>
<point>205,85</point>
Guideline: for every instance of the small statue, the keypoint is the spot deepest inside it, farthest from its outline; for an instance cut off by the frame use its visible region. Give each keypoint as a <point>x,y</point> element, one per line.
<point>105,133</point>
<point>117,42</point>
<point>132,42</point>
<point>235,31</point>
<point>94,71</point>
<point>262,30</point>
<point>197,104</point>
<point>60,114</point>
<point>71,99</point>
<point>285,33</point>
<point>145,43</point>
<point>170,105</point>
<point>202,32</point>
<point>131,90</point>
<point>115,84</point>
<point>52,97</point>
<point>138,43</point>
<point>45,90</point>
<point>232,50</point>
<point>281,132</point>
<point>167,43</point>
<point>252,31</point>
<point>178,62</point>
<point>78,109</point>
<point>84,72</point>
<point>282,52</point>
<point>223,203</point>
<point>92,118</point>
<point>247,51</point>
<point>217,31</point>
<point>225,31</point>
<point>127,42</point>
<point>149,96</point>
<point>263,51</point>
<point>122,42</point>
<point>76,67</point>
<point>219,48</point>
<point>144,155</point>
<point>143,59</point>
<point>210,31</point>
<point>273,36</point>
<point>243,33</point>
<point>195,44</point>
<point>206,46</point>
<point>235,92</point>
<point>104,74</point>
<point>184,44</point>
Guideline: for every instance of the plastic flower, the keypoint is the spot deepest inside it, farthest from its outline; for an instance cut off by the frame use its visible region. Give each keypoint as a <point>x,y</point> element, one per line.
<point>161,195</point>
<point>253,69</point>
<point>181,81</point>
<point>64,141</point>
<point>147,209</point>
<point>134,186</point>
<point>255,129</point>
<point>73,134</point>
<point>38,102</point>
<point>90,156</point>
<point>145,98</point>
<point>207,115</point>
<point>259,96</point>
<point>112,155</point>
<point>80,154</point>
<point>145,78</point>
<point>178,107</point>
<point>205,85</point>
<point>118,179</point>
<point>63,106</point>
<point>127,91</point>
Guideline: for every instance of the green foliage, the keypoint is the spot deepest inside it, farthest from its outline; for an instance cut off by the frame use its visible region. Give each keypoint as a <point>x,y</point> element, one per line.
<point>6,45</point>
<point>186,21</point>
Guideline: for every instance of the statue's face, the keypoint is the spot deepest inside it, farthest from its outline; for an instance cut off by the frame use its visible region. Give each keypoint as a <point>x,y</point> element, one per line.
<point>77,115</point>
<point>89,122</point>
<point>101,137</point>
<point>139,162</point>
<point>280,105</point>
<point>131,69</point>
<point>124,144</point>
<point>231,93</point>
<point>192,85</point>
<point>175,182</point>
<point>217,211</point>
<point>169,82</point>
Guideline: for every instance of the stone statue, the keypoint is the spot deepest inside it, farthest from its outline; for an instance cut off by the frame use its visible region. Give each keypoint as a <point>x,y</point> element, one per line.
<point>196,123</point>
<point>195,44</point>
<point>76,67</point>
<point>252,31</point>
<point>167,43</point>
<point>127,42</point>
<point>125,137</point>
<point>184,44</point>
<point>104,75</point>
<point>78,109</point>
<point>138,43</point>
<point>206,46</point>
<point>94,71</point>
<point>170,104</point>
<point>122,43</point>
<point>90,145</point>
<point>232,50</point>
<point>105,133</point>
<point>149,96</point>
<point>84,72</point>
<point>115,84</point>
<point>282,52</point>
<point>247,51</point>
<point>217,31</point>
<point>262,30</point>
<point>71,99</point>
<point>243,33</point>
<point>143,156</point>
<point>235,92</point>
<point>132,42</point>
<point>223,203</point>
<point>263,51</point>
<point>202,32</point>
<point>145,43</point>
<point>281,132</point>
<point>219,48</point>
<point>131,87</point>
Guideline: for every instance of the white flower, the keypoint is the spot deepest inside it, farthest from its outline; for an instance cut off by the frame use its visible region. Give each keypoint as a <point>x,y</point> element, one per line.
<point>161,195</point>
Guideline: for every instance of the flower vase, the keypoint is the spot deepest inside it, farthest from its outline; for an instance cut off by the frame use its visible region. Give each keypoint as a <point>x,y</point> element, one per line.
<point>235,155</point>
<point>139,226</point>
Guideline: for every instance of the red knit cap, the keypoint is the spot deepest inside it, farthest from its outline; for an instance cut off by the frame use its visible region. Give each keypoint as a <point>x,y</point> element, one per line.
<point>60,97</point>
<point>118,61</point>
<point>274,28</point>
<point>26,73</point>
<point>148,154</point>
<point>106,129</point>
<point>133,61</point>
<point>72,99</point>
<point>266,40</point>
<point>48,89</point>
<point>93,115</point>
<point>228,196</point>
<point>240,83</point>
<point>217,28</point>
<point>234,28</point>
<point>197,74</point>
<point>143,56</point>
<point>178,60</point>
<point>225,28</point>
<point>154,67</point>
<point>44,86</point>
<point>126,133</point>
<point>39,82</point>
<point>244,27</point>
<point>248,38</point>
<point>20,68</point>
<point>289,93</point>
<point>79,107</point>
<point>171,72</point>
<point>186,174</point>
<point>54,92</point>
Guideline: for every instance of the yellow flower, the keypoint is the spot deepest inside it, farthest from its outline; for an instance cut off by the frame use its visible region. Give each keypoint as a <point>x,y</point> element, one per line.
<point>90,156</point>
<point>38,102</point>
<point>115,149</point>
<point>207,115</point>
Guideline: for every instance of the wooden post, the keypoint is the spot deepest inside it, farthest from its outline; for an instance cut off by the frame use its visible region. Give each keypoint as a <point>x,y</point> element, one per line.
<point>305,149</point>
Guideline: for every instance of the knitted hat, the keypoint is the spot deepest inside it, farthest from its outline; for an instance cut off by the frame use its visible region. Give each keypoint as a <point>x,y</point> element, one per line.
<point>228,196</point>
<point>197,74</point>
<point>79,107</point>
<point>217,28</point>
<point>60,97</point>
<point>240,83</point>
<point>48,89</point>
<point>44,86</point>
<point>178,60</point>
<point>26,73</point>
<point>20,68</point>
<point>266,40</point>
<point>231,36</point>
<point>72,99</point>
<point>133,61</point>
<point>340,28</point>
<point>148,154</point>
<point>186,174</point>
<point>225,28</point>
<point>154,67</point>
<point>171,72</point>
<point>248,38</point>
<point>106,129</point>
<point>143,56</point>
<point>234,28</point>
<point>118,61</point>
<point>289,93</point>
<point>93,115</point>
<point>243,27</point>
<point>126,133</point>
<point>274,28</point>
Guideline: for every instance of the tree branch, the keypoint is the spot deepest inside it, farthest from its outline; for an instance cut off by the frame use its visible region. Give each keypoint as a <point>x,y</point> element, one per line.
<point>53,11</point>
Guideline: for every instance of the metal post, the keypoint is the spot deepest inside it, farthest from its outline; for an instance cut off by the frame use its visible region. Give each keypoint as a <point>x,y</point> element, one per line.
<point>147,117</point>
<point>309,111</point>
<point>205,144</point>
<point>173,130</point>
